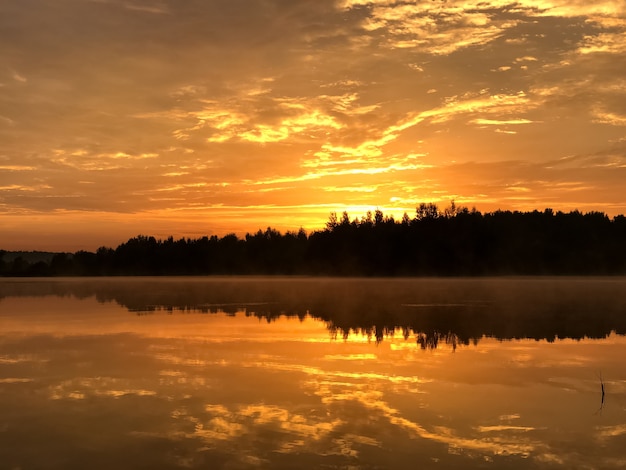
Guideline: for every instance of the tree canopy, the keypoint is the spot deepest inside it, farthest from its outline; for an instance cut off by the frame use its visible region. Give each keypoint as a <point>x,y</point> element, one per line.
<point>455,241</point>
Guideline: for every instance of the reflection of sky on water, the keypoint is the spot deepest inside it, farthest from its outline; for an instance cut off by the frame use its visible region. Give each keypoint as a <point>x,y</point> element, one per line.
<point>82,381</point>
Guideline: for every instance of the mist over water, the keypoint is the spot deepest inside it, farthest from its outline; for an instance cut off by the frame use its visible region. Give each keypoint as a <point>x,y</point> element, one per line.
<point>301,372</point>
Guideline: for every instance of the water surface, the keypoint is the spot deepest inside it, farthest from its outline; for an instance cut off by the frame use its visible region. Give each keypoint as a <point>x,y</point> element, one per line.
<point>166,373</point>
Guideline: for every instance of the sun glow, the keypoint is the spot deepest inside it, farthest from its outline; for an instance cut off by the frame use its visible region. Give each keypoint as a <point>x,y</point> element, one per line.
<point>352,104</point>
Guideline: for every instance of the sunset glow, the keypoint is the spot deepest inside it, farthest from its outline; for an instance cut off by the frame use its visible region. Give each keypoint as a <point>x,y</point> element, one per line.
<point>205,117</point>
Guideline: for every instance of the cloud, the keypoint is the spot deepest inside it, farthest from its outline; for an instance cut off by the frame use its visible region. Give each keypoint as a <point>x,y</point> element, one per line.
<point>210,102</point>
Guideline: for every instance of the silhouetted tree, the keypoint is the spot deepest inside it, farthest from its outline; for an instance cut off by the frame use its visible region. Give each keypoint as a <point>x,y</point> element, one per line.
<point>456,241</point>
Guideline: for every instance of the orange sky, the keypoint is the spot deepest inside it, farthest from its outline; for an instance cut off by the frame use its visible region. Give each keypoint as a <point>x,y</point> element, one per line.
<point>194,117</point>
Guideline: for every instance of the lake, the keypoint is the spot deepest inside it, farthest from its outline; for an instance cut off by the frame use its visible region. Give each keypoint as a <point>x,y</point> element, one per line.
<point>238,373</point>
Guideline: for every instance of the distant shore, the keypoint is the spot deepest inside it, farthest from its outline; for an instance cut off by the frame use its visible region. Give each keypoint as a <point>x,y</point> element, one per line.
<point>452,242</point>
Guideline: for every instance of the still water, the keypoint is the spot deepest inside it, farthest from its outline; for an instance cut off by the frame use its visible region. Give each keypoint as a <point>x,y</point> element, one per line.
<point>238,373</point>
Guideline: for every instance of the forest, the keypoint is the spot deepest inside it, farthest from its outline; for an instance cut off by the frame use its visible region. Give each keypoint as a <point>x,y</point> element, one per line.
<point>455,241</point>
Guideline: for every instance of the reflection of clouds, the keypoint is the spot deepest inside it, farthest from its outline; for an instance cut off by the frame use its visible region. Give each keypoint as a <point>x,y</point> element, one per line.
<point>178,378</point>
<point>256,401</point>
<point>605,432</point>
<point>218,428</point>
<point>15,380</point>
<point>350,357</point>
<point>20,359</point>
<point>314,371</point>
<point>616,386</point>
<point>84,387</point>
<point>528,359</point>
<point>171,373</point>
<point>177,360</point>
<point>296,431</point>
<point>550,458</point>
<point>502,427</point>
<point>289,422</point>
<point>373,400</point>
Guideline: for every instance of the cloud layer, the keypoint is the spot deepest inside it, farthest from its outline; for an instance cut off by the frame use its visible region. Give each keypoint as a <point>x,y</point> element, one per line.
<point>155,115</point>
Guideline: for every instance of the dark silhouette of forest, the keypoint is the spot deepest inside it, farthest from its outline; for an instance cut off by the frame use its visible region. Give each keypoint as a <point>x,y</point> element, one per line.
<point>450,242</point>
<point>428,311</point>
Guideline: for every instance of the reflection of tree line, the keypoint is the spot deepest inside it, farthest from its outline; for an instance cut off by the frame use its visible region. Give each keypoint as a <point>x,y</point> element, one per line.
<point>433,311</point>
<point>455,241</point>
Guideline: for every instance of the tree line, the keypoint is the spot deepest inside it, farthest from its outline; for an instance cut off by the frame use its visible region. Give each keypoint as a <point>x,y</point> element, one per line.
<point>455,241</point>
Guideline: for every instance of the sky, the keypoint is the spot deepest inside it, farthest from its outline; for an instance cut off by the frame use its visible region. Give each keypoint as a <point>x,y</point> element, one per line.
<point>206,117</point>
